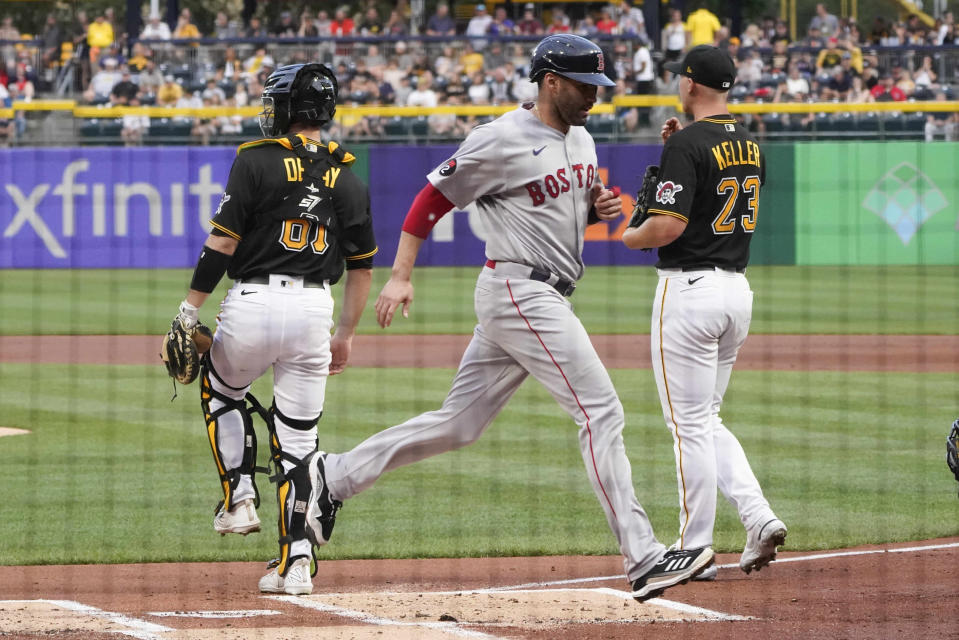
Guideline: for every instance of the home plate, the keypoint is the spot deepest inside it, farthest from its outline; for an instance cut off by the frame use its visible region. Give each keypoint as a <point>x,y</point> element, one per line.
<point>530,609</point>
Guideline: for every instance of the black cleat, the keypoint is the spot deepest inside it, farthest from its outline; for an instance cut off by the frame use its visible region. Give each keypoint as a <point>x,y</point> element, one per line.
<point>321,510</point>
<point>676,567</point>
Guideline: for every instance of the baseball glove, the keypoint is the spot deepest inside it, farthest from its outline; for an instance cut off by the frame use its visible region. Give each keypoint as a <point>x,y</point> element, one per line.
<point>182,349</point>
<point>952,449</point>
<point>647,191</point>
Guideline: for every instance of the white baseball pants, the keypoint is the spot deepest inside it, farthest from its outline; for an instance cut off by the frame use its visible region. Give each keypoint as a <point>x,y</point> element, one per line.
<point>525,327</point>
<point>700,320</point>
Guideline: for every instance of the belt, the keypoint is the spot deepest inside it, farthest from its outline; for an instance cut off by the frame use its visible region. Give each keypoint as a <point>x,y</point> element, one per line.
<point>307,283</point>
<point>564,287</point>
<point>711,267</point>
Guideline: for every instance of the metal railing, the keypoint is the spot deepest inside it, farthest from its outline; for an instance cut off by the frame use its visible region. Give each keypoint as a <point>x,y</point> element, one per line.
<point>625,118</point>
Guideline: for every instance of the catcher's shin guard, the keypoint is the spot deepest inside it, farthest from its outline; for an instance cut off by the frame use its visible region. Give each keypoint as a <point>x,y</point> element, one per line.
<point>229,477</point>
<point>293,491</point>
<point>292,495</point>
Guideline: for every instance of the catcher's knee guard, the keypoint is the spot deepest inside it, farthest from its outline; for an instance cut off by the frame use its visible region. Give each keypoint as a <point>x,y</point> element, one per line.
<point>293,491</point>
<point>217,410</point>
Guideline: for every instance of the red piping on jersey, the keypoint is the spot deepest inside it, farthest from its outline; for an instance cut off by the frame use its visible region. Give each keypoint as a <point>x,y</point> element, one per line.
<point>428,207</point>
<point>589,431</point>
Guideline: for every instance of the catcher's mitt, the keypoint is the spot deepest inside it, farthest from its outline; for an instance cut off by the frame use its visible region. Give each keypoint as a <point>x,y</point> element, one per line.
<point>647,191</point>
<point>952,449</point>
<point>182,349</point>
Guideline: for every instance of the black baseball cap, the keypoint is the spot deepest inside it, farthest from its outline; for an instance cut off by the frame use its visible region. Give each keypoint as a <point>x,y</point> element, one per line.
<point>706,65</point>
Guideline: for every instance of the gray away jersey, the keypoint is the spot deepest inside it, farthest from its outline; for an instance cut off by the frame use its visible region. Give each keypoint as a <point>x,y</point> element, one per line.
<point>531,185</point>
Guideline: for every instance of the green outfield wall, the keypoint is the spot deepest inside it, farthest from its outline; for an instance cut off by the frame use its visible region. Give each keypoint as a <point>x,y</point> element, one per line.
<point>870,203</point>
<point>775,240</point>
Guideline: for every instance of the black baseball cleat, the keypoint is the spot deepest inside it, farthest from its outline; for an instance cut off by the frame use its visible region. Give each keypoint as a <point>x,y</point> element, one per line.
<point>676,567</point>
<point>321,510</point>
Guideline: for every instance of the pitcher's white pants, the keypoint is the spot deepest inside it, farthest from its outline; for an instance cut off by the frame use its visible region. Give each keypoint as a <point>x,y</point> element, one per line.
<point>525,327</point>
<point>700,320</point>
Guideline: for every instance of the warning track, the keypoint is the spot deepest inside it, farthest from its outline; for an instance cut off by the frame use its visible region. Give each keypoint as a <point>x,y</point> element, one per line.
<point>907,353</point>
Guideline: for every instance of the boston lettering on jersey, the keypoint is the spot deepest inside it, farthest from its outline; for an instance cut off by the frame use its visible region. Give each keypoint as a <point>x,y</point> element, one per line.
<point>558,182</point>
<point>731,153</point>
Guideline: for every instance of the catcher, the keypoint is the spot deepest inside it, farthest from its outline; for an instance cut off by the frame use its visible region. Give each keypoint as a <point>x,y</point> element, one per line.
<point>952,449</point>
<point>292,218</point>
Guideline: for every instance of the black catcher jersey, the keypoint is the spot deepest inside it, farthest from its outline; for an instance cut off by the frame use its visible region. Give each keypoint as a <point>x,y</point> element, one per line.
<point>710,175</point>
<point>297,209</point>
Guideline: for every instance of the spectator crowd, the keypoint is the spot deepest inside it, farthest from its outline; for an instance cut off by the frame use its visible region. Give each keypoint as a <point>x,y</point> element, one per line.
<point>479,61</point>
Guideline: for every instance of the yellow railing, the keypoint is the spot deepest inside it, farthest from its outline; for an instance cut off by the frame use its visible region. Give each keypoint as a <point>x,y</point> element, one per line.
<point>87,111</point>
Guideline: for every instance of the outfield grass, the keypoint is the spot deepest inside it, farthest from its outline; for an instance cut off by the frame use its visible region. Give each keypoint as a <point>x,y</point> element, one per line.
<point>115,472</point>
<point>880,300</point>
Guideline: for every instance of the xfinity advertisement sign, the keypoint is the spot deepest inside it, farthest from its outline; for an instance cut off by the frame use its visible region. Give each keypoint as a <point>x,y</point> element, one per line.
<point>150,207</point>
<point>108,207</point>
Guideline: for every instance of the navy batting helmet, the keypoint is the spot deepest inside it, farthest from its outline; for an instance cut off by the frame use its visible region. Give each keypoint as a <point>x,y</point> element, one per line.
<point>298,93</point>
<point>570,56</point>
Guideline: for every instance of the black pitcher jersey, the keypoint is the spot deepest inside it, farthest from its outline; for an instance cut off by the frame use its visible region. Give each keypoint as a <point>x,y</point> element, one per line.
<point>297,209</point>
<point>710,175</point>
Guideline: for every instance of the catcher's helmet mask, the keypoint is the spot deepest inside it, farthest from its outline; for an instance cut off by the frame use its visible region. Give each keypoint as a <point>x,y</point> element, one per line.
<point>570,56</point>
<point>952,449</point>
<point>298,93</point>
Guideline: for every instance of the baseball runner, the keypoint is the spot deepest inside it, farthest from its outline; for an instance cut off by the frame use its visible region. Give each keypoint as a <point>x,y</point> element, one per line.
<point>702,213</point>
<point>533,175</point>
<point>293,213</point>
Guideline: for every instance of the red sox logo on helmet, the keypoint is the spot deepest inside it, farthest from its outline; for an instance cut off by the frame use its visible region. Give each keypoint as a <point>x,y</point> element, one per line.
<point>666,192</point>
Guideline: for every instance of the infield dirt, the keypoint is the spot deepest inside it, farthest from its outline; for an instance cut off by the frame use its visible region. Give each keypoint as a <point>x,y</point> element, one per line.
<point>908,595</point>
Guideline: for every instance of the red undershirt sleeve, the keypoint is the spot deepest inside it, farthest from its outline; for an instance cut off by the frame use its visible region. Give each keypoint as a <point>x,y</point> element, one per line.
<point>428,207</point>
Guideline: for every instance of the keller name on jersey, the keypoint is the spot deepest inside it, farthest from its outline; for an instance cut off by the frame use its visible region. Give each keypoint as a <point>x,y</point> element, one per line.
<point>731,153</point>
<point>710,177</point>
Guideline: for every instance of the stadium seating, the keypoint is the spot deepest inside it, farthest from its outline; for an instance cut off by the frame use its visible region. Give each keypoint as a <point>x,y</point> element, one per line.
<point>101,131</point>
<point>396,127</point>
<point>774,123</point>
<point>419,127</point>
<point>867,125</point>
<point>168,131</point>
<point>601,126</point>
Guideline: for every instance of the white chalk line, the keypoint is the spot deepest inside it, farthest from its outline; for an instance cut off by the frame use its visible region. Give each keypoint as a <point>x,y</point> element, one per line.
<point>681,607</point>
<point>735,565</point>
<point>452,628</point>
<point>238,613</point>
<point>136,628</point>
